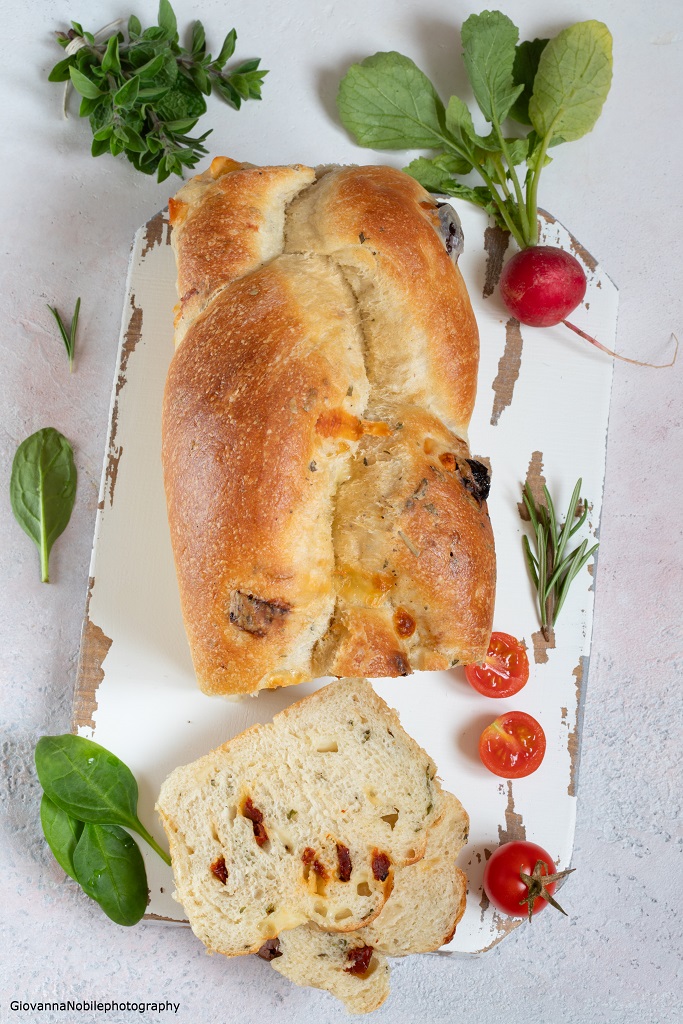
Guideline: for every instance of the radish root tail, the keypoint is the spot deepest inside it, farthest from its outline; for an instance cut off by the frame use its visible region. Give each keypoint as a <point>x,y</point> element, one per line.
<point>615,355</point>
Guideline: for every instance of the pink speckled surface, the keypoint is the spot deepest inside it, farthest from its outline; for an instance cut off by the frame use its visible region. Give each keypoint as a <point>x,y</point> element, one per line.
<point>68,222</point>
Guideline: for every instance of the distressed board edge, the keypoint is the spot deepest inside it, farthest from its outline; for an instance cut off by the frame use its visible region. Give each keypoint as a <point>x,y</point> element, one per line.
<point>94,644</point>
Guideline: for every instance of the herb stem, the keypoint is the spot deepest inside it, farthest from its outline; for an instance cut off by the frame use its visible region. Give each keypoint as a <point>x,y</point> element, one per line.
<point>502,209</point>
<point>548,604</point>
<point>532,190</point>
<point>151,841</point>
<point>44,553</point>
<point>524,223</point>
<point>495,195</point>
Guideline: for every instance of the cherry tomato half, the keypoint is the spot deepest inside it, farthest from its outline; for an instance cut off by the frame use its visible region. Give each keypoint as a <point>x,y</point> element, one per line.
<point>504,886</point>
<point>513,746</point>
<point>504,670</point>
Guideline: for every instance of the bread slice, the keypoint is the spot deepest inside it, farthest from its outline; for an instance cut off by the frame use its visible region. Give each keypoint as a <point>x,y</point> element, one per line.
<point>305,819</point>
<point>311,957</point>
<point>426,903</point>
<point>428,898</point>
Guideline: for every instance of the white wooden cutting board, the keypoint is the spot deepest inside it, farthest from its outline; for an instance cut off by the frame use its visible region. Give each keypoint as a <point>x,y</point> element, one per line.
<point>542,412</point>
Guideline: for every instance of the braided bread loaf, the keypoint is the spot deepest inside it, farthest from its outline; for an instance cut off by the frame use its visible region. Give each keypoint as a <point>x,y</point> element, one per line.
<point>326,516</point>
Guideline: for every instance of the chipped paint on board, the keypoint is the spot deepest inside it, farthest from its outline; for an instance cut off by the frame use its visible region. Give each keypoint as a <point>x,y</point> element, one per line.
<point>94,649</point>
<point>170,920</point>
<point>542,645</point>
<point>579,673</point>
<point>514,824</point>
<point>582,254</point>
<point>535,482</point>
<point>514,830</point>
<point>496,241</point>
<point>154,232</point>
<point>579,250</point>
<point>508,370</point>
<point>130,340</point>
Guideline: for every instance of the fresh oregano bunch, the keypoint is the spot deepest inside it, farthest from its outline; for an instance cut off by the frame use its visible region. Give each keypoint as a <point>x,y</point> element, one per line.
<point>143,94</point>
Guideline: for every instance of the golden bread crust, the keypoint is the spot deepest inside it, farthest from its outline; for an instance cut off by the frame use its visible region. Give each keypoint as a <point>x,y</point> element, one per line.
<point>226,223</point>
<point>420,543</point>
<point>249,506</point>
<point>326,516</point>
<point>424,343</point>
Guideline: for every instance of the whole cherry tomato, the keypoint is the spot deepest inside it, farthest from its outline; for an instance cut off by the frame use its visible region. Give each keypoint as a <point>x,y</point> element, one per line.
<point>504,670</point>
<point>513,746</point>
<point>520,879</point>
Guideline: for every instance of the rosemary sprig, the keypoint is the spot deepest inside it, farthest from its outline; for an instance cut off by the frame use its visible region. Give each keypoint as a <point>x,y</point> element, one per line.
<point>69,338</point>
<point>551,570</point>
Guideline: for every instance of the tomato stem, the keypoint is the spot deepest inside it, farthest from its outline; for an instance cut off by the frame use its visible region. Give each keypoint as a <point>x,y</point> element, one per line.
<point>536,884</point>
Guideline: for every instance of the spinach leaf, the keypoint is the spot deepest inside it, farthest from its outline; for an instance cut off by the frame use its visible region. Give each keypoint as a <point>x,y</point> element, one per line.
<point>388,103</point>
<point>489,41</point>
<point>527,56</point>
<point>110,869</point>
<point>572,82</point>
<point>62,833</point>
<point>43,490</point>
<point>90,783</point>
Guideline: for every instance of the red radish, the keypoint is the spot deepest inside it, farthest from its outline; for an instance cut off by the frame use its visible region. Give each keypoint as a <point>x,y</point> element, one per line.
<point>541,285</point>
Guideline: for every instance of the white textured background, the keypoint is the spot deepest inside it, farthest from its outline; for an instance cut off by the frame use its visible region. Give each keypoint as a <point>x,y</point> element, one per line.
<point>67,225</point>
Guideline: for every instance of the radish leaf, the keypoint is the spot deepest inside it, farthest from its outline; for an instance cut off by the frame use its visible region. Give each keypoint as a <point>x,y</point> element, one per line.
<point>388,103</point>
<point>572,82</point>
<point>489,41</point>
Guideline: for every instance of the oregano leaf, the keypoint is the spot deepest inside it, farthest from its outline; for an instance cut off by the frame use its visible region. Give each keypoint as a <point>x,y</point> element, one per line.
<point>83,85</point>
<point>144,94</point>
<point>167,20</point>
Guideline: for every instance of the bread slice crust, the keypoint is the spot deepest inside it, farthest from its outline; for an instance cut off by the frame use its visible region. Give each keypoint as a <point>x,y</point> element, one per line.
<point>427,902</point>
<point>260,830</point>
